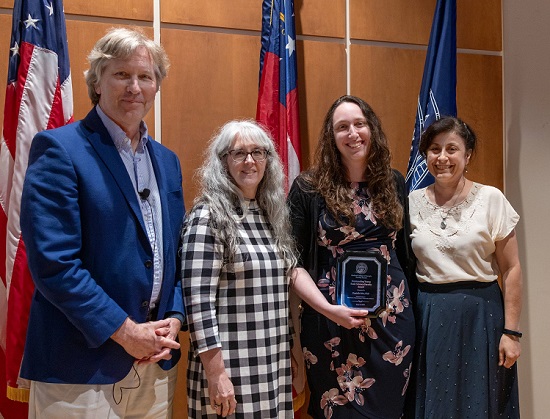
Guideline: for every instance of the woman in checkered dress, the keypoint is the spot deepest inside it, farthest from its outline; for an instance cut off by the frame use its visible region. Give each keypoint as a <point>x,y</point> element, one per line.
<point>237,256</point>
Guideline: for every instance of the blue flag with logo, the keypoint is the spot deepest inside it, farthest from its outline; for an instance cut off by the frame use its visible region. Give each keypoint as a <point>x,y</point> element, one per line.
<point>437,96</point>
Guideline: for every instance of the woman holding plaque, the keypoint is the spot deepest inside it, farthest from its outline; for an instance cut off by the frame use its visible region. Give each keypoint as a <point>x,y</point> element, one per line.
<point>352,203</point>
<point>237,265</point>
<point>468,332</point>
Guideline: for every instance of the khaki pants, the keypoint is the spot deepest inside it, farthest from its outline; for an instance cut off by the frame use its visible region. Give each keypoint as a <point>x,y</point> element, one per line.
<point>146,392</point>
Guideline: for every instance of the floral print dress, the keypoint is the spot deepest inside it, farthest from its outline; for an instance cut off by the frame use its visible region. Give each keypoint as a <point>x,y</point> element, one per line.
<point>362,372</point>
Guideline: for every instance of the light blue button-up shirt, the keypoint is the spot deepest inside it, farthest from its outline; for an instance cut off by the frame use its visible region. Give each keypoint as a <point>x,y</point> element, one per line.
<point>140,171</point>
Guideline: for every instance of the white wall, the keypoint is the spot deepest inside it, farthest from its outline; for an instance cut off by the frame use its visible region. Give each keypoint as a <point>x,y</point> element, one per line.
<point>526,28</point>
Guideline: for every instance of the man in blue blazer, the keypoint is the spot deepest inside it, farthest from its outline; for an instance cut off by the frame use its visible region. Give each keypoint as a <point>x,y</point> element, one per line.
<point>102,209</point>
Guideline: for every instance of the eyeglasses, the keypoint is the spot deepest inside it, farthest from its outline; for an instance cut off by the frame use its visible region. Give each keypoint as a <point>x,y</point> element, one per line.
<point>239,156</point>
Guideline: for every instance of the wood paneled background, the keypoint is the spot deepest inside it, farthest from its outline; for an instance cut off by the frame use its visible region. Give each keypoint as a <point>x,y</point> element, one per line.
<point>214,49</point>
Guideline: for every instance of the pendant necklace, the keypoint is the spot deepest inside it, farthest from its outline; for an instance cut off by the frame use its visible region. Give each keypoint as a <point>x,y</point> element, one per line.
<point>445,214</point>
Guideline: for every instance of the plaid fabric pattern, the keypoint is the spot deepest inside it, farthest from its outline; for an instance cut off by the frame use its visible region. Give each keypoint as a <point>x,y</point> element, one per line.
<point>241,307</point>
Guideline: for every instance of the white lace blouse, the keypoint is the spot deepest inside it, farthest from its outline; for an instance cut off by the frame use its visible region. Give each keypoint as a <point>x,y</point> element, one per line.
<point>465,249</point>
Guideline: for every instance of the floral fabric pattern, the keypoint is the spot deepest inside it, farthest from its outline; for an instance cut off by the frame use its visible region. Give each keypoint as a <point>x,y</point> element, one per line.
<point>362,372</point>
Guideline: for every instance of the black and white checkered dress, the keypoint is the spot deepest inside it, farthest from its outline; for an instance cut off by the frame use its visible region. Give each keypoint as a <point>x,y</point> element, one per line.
<point>242,308</point>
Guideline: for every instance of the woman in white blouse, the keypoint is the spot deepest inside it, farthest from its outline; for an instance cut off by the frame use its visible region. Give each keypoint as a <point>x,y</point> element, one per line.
<point>467,324</point>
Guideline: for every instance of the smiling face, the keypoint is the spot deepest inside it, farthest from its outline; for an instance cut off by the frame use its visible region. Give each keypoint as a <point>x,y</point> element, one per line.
<point>249,173</point>
<point>351,133</point>
<point>127,89</point>
<point>447,158</point>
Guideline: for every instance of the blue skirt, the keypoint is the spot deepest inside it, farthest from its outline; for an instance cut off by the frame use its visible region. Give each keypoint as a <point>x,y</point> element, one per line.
<point>459,327</point>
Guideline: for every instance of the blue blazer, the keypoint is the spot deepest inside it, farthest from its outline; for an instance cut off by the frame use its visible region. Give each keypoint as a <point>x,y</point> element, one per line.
<point>89,254</point>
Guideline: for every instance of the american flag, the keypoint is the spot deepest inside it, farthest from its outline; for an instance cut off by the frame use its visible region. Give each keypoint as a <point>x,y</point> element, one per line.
<point>38,97</point>
<point>438,90</point>
<point>278,95</point>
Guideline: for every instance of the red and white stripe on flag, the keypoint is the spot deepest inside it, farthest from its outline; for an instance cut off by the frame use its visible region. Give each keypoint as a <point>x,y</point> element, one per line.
<point>38,97</point>
<point>277,107</point>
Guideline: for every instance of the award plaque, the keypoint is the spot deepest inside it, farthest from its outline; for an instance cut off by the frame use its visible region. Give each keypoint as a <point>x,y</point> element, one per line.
<point>361,281</point>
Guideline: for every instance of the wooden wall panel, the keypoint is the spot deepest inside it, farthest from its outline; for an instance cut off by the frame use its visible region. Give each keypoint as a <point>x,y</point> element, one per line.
<point>119,9</point>
<point>321,81</point>
<point>180,397</point>
<point>479,103</point>
<point>214,78</point>
<point>320,17</point>
<point>82,35</point>
<point>478,22</point>
<point>235,14</point>
<point>401,21</point>
<point>389,80</point>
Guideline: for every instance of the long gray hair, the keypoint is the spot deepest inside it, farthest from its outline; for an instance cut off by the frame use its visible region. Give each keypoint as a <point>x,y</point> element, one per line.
<point>219,191</point>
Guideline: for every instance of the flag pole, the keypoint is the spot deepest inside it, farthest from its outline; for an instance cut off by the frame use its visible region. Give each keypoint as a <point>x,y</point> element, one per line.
<point>348,51</point>
<point>158,97</point>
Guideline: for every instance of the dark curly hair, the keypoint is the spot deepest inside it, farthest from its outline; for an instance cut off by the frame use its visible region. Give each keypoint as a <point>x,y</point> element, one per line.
<point>329,176</point>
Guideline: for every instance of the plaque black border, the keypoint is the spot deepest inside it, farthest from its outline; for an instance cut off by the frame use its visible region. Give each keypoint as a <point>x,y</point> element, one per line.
<point>370,256</point>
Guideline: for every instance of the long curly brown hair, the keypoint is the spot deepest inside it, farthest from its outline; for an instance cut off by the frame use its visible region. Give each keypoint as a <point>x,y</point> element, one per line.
<point>329,175</point>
